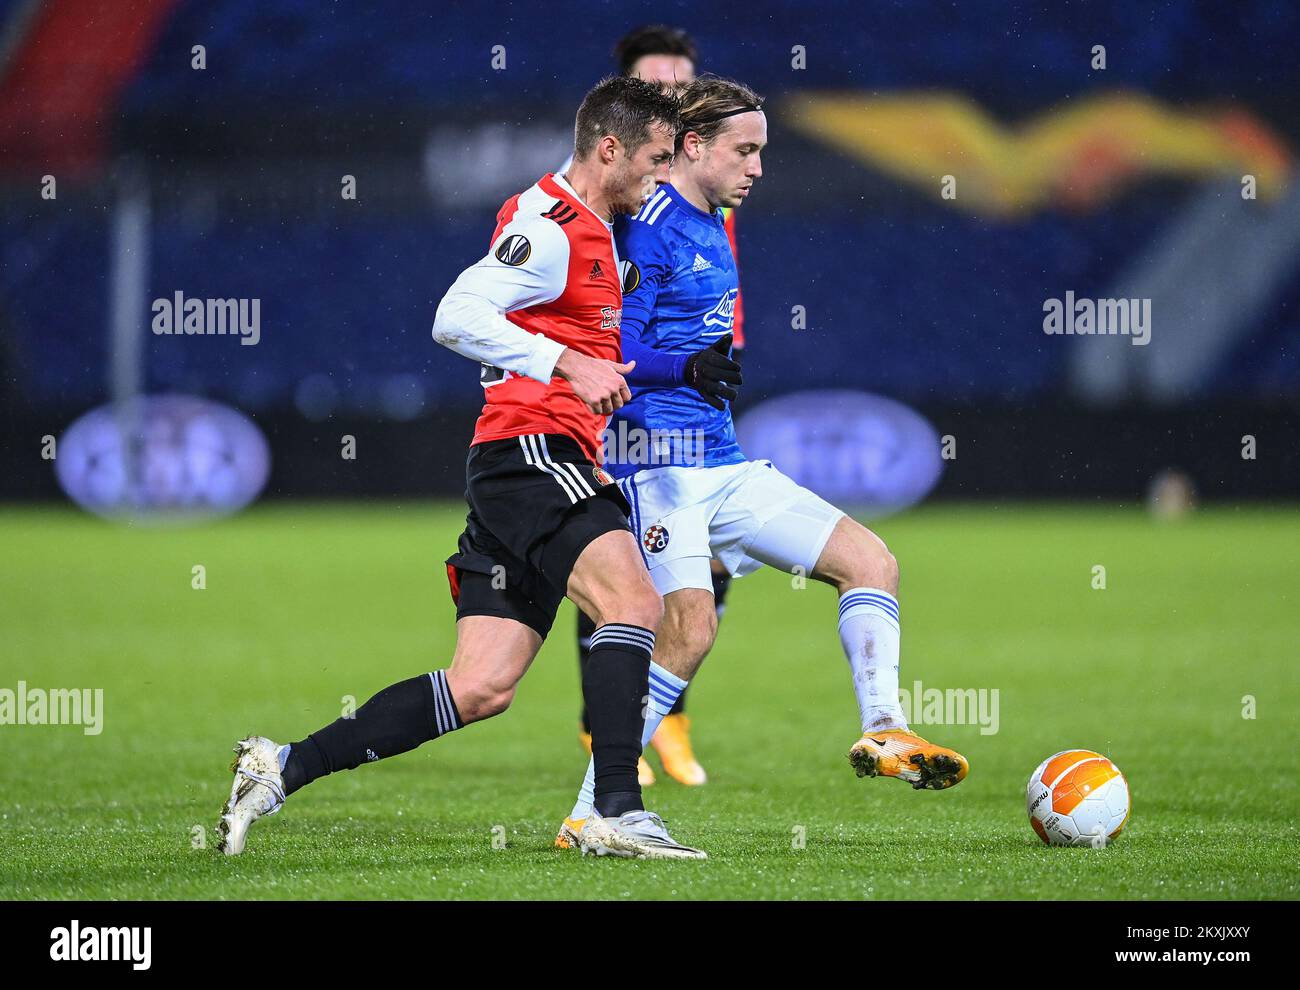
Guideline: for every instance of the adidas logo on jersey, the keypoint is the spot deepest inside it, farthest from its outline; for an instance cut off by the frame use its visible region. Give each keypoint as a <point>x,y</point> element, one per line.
<point>595,270</point>
<point>561,212</point>
<point>701,263</point>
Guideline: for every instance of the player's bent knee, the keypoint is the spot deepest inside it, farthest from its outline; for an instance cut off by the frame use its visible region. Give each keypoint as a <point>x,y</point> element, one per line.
<point>887,563</point>
<point>856,557</point>
<point>642,607</point>
<point>491,656</point>
<point>875,567</point>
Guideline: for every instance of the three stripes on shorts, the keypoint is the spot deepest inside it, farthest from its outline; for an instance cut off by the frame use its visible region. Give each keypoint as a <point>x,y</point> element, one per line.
<point>567,475</point>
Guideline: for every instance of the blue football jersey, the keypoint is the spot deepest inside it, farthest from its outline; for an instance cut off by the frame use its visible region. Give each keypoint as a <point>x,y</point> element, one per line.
<point>679,296</point>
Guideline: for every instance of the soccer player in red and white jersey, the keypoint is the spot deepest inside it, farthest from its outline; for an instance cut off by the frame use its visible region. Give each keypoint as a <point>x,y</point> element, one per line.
<point>541,312</point>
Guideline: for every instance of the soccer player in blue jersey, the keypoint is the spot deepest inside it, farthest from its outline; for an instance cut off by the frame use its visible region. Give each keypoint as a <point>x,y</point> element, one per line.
<point>693,493</point>
<point>668,56</point>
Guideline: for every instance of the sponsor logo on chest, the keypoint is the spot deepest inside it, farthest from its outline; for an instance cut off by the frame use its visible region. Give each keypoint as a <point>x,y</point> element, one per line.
<point>723,314</point>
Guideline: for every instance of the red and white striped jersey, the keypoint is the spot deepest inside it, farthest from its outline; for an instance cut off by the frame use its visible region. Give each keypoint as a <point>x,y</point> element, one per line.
<point>549,281</point>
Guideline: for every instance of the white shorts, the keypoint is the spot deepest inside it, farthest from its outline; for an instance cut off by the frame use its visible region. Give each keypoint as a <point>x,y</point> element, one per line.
<point>746,515</point>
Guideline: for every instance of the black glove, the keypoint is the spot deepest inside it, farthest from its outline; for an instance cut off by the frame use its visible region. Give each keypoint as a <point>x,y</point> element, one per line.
<point>713,374</point>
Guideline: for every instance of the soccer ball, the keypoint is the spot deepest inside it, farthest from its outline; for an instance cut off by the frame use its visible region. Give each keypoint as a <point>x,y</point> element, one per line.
<point>1077,798</point>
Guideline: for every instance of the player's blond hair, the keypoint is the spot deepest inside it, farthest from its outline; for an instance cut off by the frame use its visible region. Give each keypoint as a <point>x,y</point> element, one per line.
<point>710,101</point>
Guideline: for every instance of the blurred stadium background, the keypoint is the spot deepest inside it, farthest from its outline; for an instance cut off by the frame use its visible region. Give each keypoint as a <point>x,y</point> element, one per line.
<point>225,182</point>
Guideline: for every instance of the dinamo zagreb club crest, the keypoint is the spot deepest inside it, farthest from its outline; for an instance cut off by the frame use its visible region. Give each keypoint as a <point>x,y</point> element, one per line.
<point>655,539</point>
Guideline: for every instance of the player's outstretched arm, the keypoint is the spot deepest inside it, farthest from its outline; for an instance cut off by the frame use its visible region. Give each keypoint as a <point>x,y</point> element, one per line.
<point>712,372</point>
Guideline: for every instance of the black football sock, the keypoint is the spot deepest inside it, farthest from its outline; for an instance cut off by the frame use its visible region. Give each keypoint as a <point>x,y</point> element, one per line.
<point>616,685</point>
<point>585,628</point>
<point>721,585</point>
<point>399,718</point>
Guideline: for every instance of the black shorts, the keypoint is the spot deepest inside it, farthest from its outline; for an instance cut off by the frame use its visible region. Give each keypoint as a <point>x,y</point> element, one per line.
<point>535,502</point>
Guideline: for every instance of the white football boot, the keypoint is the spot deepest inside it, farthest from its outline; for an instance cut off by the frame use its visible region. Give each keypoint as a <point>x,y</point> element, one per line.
<point>258,790</point>
<point>634,835</point>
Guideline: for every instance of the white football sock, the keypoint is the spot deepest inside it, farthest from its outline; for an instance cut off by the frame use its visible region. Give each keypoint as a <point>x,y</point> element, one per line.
<point>665,689</point>
<point>869,633</point>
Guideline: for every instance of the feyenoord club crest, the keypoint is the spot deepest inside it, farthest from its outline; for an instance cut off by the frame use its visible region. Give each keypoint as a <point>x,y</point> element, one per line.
<point>601,477</point>
<point>655,539</point>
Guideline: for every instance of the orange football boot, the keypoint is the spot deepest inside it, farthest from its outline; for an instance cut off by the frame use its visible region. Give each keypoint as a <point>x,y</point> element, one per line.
<point>672,741</point>
<point>568,837</point>
<point>903,754</point>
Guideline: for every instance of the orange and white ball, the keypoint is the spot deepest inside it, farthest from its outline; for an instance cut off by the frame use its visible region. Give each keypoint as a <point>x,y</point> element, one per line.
<point>1077,798</point>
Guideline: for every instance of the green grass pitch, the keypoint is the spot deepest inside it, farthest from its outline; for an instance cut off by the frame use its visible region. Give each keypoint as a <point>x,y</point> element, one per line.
<point>307,604</point>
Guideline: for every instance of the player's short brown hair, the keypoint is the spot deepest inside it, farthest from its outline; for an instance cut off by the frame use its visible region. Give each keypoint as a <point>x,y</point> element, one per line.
<point>653,39</point>
<point>626,108</point>
<point>710,101</point>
